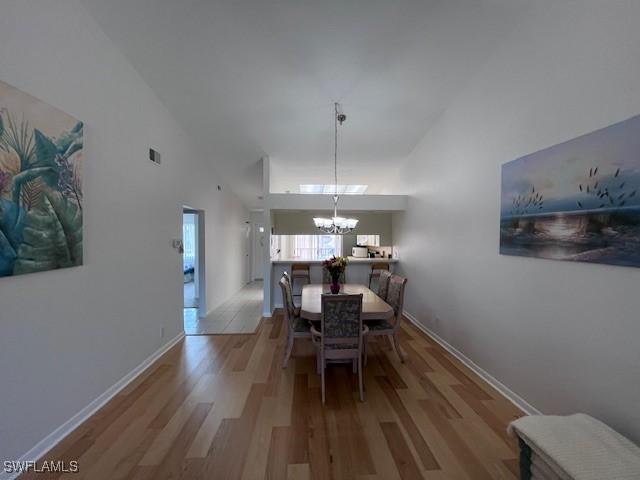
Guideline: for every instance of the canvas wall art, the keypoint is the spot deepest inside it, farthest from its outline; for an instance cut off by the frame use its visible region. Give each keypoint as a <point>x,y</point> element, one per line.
<point>578,201</point>
<point>41,192</point>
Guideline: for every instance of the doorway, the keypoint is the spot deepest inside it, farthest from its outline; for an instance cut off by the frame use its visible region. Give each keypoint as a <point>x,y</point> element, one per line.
<point>193,269</point>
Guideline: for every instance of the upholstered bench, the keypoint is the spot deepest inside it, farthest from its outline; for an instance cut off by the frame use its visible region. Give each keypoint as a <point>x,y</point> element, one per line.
<point>575,447</point>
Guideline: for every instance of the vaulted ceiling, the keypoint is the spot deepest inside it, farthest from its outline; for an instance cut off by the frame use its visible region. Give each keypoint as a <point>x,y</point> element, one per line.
<point>247,78</point>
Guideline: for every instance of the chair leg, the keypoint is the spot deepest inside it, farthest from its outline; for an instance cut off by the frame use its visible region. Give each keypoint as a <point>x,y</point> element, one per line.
<point>354,366</point>
<point>364,350</point>
<point>396,346</point>
<point>322,369</point>
<point>287,354</point>
<point>318,362</point>
<point>360,378</point>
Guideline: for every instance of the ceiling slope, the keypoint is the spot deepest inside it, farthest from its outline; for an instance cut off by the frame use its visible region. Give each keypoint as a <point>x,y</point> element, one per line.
<point>259,77</point>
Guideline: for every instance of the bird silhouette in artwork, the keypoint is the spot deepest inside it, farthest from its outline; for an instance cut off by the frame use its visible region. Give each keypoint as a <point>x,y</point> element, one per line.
<point>597,187</point>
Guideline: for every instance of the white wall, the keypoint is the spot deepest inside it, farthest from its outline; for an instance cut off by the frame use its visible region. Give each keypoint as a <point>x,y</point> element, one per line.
<point>68,335</point>
<point>565,336</point>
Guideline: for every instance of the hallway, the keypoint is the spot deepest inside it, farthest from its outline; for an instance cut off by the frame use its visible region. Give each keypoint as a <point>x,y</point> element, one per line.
<point>240,314</point>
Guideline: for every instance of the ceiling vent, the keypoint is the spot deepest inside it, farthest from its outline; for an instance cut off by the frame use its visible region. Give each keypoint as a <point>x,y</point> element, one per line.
<point>154,156</point>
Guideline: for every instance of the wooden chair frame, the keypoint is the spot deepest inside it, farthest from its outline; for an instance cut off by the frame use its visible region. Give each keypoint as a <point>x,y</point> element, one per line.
<point>355,354</point>
<point>290,317</point>
<point>393,332</point>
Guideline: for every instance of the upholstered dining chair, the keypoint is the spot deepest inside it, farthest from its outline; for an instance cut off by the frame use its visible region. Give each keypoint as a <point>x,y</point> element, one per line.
<point>395,298</point>
<point>341,334</point>
<point>296,327</point>
<point>383,284</point>
<point>300,272</point>
<point>287,278</point>
<point>376,270</point>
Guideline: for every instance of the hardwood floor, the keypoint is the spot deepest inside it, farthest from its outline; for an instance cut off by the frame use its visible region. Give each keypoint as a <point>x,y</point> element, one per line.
<point>221,407</point>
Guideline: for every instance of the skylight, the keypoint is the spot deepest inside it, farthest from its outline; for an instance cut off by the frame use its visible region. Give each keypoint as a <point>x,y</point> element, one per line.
<point>331,189</point>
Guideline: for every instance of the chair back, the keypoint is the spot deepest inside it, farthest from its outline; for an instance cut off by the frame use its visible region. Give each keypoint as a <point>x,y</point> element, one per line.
<point>380,266</point>
<point>395,297</point>
<point>287,300</point>
<point>341,319</point>
<point>383,284</point>
<point>301,270</point>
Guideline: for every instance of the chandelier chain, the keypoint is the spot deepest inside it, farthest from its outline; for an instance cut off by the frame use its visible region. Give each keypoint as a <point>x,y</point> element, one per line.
<point>336,225</point>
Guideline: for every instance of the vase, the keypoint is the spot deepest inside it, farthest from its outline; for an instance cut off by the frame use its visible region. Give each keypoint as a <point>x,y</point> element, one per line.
<point>335,284</point>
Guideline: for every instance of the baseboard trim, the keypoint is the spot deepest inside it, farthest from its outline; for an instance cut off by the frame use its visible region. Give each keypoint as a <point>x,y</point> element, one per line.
<point>506,392</point>
<point>273,313</point>
<point>60,433</point>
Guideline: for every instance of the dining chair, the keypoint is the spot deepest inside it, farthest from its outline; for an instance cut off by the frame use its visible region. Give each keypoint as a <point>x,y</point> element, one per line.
<point>301,272</point>
<point>383,284</point>
<point>376,270</point>
<point>341,334</point>
<point>395,299</point>
<point>296,327</point>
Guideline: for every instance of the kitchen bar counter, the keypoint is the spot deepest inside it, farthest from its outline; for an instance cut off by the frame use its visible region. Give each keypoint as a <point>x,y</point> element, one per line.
<point>357,271</point>
<point>352,260</point>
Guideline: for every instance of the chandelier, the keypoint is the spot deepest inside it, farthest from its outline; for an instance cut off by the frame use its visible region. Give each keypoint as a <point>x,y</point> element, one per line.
<point>336,225</point>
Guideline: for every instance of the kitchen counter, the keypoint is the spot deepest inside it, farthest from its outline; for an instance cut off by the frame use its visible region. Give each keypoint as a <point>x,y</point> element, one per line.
<point>278,260</point>
<point>357,271</point>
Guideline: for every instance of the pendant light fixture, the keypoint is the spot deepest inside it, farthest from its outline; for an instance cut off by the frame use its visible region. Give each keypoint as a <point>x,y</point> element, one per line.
<point>336,225</point>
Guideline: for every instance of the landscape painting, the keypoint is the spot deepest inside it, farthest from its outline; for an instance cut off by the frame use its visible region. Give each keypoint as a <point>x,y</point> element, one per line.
<point>578,201</point>
<point>41,196</point>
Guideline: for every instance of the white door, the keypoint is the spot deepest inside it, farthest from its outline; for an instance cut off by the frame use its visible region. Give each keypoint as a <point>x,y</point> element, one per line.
<point>258,251</point>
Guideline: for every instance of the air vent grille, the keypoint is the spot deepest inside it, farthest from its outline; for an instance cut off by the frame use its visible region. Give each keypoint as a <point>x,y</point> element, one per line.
<point>154,156</point>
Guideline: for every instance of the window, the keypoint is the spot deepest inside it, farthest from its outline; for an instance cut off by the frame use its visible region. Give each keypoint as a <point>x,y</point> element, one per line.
<point>310,247</point>
<point>368,240</point>
<point>189,242</point>
<point>331,189</point>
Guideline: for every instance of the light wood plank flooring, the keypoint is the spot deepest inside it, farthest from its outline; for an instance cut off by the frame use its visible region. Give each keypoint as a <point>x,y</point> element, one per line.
<point>221,407</point>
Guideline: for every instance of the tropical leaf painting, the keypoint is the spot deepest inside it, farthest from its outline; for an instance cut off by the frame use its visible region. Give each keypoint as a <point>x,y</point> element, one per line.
<point>41,194</point>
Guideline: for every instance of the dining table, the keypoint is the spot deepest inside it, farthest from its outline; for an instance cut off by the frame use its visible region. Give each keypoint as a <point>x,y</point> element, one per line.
<point>373,307</point>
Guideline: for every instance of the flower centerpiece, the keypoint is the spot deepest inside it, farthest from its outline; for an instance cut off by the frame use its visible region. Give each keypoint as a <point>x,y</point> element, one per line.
<point>335,266</point>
